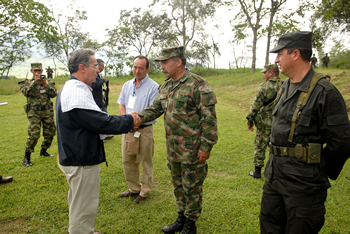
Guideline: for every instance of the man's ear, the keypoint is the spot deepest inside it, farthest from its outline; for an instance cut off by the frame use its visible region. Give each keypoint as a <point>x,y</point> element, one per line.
<point>178,62</point>
<point>81,67</point>
<point>296,54</point>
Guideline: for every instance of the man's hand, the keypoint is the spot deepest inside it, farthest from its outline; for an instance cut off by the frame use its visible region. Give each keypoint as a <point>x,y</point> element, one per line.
<point>250,127</point>
<point>203,156</point>
<point>137,119</point>
<point>41,81</point>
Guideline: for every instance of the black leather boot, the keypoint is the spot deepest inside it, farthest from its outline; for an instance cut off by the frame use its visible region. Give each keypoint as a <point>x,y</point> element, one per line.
<point>256,173</point>
<point>190,227</point>
<point>43,152</point>
<point>177,226</point>
<point>26,161</point>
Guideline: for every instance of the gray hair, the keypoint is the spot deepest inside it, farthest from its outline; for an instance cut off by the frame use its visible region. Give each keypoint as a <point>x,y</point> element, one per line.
<point>77,57</point>
<point>183,60</point>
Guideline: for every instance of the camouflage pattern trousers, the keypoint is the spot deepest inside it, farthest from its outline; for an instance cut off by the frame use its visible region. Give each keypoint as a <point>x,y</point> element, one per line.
<point>261,142</point>
<point>36,118</point>
<point>188,187</point>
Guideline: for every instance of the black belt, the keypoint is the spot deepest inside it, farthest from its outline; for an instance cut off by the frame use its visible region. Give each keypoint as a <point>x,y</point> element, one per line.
<point>40,108</point>
<point>144,126</point>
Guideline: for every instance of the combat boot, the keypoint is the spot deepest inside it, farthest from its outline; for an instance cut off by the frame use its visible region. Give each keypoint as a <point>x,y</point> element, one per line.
<point>256,173</point>
<point>43,152</point>
<point>26,161</point>
<point>190,227</point>
<point>177,226</point>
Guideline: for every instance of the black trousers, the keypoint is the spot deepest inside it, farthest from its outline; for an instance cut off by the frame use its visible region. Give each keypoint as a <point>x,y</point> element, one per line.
<point>290,214</point>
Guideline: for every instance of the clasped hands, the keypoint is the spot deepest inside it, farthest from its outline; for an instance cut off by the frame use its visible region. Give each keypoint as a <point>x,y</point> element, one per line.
<point>137,120</point>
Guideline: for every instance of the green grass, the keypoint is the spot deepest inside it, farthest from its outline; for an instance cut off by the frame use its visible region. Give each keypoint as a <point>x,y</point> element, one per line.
<point>36,201</point>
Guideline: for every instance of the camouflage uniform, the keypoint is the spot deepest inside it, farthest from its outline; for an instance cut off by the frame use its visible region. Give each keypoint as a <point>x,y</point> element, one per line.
<point>260,113</point>
<point>188,105</point>
<point>40,111</point>
<point>314,62</point>
<point>325,61</point>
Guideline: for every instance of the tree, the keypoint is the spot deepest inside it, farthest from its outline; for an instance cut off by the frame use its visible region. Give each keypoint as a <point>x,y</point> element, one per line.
<point>141,31</point>
<point>275,7</point>
<point>15,49</point>
<point>189,17</point>
<point>334,15</point>
<point>70,37</point>
<point>22,23</point>
<point>250,16</point>
<point>26,16</point>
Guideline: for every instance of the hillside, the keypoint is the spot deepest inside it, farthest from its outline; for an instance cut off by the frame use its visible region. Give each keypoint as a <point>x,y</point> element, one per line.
<point>36,200</point>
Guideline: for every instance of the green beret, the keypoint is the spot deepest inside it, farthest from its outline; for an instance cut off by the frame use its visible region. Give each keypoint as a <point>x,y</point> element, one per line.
<point>301,39</point>
<point>36,66</point>
<point>270,66</point>
<point>167,53</point>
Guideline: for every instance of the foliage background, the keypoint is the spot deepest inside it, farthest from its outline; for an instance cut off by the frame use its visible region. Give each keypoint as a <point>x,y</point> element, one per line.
<point>36,201</point>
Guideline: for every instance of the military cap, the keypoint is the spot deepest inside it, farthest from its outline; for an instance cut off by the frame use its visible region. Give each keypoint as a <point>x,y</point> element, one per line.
<point>270,66</point>
<point>301,39</point>
<point>167,53</point>
<point>36,66</point>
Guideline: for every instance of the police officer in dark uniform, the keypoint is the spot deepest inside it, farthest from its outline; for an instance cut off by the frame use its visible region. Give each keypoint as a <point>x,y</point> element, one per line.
<point>309,142</point>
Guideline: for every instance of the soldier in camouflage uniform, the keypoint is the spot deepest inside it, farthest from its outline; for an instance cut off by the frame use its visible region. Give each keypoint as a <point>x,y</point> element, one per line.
<point>313,61</point>
<point>188,104</point>
<point>325,61</point>
<point>39,109</point>
<point>260,114</point>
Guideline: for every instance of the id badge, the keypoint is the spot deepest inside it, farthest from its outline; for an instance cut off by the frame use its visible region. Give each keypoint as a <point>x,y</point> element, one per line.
<point>131,102</point>
<point>137,134</point>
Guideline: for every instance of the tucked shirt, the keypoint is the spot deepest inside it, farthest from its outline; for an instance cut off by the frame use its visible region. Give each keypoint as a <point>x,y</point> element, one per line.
<point>145,94</point>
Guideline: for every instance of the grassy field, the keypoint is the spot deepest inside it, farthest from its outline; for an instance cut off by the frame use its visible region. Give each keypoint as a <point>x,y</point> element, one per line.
<point>36,200</point>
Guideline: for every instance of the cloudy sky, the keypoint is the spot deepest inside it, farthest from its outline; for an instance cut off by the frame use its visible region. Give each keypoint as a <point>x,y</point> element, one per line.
<point>104,14</point>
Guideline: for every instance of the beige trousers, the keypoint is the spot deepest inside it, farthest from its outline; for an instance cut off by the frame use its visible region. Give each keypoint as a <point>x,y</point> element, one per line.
<point>132,163</point>
<point>83,197</point>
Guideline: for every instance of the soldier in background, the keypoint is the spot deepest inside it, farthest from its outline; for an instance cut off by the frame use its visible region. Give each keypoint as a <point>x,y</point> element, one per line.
<point>49,72</point>
<point>325,61</point>
<point>260,113</point>
<point>188,104</point>
<point>97,90</point>
<point>313,61</point>
<point>39,109</point>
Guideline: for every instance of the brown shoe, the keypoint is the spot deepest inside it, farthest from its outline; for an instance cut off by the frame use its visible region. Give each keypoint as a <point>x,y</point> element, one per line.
<point>109,137</point>
<point>5,180</point>
<point>140,199</point>
<point>128,194</point>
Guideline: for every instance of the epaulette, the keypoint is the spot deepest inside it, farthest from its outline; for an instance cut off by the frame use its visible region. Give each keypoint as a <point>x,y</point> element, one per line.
<point>325,83</point>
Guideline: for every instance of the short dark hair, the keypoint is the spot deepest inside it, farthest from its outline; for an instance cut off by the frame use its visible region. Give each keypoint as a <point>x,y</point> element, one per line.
<point>275,71</point>
<point>183,60</point>
<point>99,61</point>
<point>77,57</point>
<point>328,76</point>
<point>304,52</point>
<point>143,57</point>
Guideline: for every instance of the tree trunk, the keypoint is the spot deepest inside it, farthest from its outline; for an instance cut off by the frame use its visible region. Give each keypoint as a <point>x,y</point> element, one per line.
<point>255,38</point>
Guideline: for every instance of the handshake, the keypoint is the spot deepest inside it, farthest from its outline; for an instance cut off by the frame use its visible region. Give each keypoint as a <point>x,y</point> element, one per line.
<point>137,120</point>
